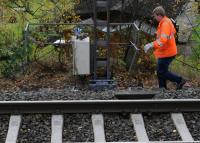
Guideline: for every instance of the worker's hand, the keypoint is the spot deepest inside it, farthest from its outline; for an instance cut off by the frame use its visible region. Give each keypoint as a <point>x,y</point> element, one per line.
<point>147,47</point>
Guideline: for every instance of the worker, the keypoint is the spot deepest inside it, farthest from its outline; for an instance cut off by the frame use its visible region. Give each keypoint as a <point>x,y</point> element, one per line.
<point>165,49</point>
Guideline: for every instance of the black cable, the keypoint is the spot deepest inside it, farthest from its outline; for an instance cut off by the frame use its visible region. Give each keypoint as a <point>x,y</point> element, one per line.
<point>184,8</point>
<point>192,26</point>
<point>196,53</point>
<point>197,69</point>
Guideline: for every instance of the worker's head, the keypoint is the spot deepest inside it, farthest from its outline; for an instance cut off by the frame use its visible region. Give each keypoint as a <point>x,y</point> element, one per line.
<point>158,13</point>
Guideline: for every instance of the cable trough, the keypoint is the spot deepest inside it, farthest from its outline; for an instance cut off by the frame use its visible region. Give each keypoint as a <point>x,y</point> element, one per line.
<point>97,108</point>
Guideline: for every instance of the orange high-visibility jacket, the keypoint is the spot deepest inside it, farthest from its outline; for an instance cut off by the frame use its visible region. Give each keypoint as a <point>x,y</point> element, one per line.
<point>165,44</point>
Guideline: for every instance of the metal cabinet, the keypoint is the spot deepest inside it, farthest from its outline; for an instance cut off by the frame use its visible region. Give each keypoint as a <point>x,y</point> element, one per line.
<point>81,56</point>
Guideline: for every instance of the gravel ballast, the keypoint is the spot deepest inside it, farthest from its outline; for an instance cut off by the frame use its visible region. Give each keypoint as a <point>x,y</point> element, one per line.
<point>193,123</point>
<point>160,127</point>
<point>35,128</point>
<point>4,121</point>
<point>72,93</point>
<point>118,128</point>
<point>78,127</point>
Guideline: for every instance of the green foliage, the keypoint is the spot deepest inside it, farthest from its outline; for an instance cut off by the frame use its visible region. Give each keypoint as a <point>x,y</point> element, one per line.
<point>40,11</point>
<point>196,30</point>
<point>11,52</point>
<point>12,66</point>
<point>188,68</point>
<point>195,42</point>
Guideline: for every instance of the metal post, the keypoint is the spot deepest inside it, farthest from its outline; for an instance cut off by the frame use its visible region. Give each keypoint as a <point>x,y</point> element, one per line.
<point>26,31</point>
<point>108,39</point>
<point>94,48</point>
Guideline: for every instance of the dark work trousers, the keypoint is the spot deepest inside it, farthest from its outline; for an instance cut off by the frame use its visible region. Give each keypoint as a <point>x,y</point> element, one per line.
<point>164,74</point>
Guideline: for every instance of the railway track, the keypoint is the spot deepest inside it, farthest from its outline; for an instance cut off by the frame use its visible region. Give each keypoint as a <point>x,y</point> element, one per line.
<point>97,109</point>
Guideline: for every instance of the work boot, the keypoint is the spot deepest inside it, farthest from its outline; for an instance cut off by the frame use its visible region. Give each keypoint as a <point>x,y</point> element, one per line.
<point>180,85</point>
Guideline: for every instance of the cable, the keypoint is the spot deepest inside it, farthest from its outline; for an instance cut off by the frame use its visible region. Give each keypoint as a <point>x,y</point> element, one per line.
<point>197,69</point>
<point>184,8</point>
<point>192,26</point>
<point>195,52</point>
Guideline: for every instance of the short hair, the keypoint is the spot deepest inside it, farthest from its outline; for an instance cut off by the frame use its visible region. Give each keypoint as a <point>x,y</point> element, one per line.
<point>159,11</point>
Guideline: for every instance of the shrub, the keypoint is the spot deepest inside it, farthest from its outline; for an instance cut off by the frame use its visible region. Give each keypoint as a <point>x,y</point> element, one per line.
<point>11,53</point>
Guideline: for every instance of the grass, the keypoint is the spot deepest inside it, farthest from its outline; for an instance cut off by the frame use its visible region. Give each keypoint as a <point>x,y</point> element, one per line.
<point>15,28</point>
<point>191,72</point>
<point>197,29</point>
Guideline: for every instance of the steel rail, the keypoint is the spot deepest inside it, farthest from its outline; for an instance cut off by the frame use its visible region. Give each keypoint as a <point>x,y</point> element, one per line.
<point>159,142</point>
<point>96,106</point>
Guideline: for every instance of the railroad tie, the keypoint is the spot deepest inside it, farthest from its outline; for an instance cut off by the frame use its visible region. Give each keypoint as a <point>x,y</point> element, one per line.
<point>13,129</point>
<point>98,128</point>
<point>57,128</point>
<point>181,126</point>
<point>139,127</point>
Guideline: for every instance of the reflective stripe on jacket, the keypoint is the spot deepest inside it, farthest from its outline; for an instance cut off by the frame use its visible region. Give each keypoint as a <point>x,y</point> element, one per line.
<point>165,44</point>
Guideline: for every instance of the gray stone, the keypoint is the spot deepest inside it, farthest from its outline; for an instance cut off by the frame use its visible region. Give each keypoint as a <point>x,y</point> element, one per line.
<point>186,21</point>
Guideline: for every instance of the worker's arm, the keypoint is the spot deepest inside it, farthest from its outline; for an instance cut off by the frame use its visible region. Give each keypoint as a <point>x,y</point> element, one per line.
<point>164,35</point>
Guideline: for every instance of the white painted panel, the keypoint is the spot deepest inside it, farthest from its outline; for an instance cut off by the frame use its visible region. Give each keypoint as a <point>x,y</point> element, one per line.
<point>13,130</point>
<point>98,128</point>
<point>81,56</point>
<point>56,128</point>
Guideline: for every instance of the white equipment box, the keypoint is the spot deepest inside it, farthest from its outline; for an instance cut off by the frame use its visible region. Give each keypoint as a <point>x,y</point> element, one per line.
<point>81,56</point>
